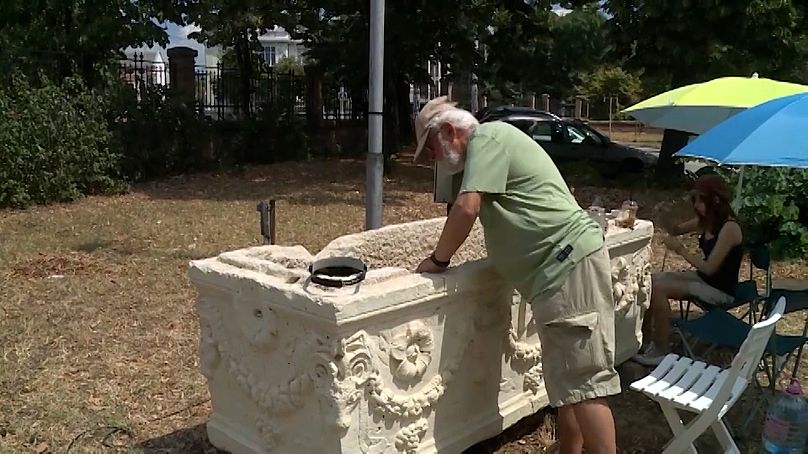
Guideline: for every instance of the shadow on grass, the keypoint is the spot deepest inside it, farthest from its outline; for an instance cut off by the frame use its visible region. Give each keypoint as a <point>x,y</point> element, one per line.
<point>192,439</point>
<point>316,182</point>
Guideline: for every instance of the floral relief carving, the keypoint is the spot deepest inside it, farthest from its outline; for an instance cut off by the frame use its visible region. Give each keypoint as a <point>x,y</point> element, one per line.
<point>273,401</point>
<point>411,351</point>
<point>624,284</point>
<point>414,405</point>
<point>534,379</point>
<point>644,277</point>
<point>342,374</point>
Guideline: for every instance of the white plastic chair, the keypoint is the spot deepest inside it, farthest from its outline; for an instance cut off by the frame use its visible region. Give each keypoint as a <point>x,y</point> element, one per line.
<point>680,383</point>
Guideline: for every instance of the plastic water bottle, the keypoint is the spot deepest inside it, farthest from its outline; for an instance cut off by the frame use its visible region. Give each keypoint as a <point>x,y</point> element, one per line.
<point>786,428</point>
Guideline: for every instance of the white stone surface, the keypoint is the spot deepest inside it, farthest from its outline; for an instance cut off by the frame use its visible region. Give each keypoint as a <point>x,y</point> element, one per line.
<point>398,363</point>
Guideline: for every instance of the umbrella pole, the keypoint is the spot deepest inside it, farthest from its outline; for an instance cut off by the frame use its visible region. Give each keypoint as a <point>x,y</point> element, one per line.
<point>736,202</point>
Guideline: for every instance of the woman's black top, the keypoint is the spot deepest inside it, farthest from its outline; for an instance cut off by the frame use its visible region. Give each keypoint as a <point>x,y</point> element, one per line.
<point>726,276</point>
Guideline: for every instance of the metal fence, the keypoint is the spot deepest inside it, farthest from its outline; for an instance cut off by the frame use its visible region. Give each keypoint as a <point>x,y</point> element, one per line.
<point>221,92</point>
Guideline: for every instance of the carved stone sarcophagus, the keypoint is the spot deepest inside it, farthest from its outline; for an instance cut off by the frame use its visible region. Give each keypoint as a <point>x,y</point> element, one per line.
<point>398,363</point>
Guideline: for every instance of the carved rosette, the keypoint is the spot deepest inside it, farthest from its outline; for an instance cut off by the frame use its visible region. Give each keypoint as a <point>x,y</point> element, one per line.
<point>411,351</point>
<point>347,372</point>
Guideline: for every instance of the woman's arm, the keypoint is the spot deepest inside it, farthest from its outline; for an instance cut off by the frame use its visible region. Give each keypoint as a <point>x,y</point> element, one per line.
<point>683,228</point>
<point>729,237</point>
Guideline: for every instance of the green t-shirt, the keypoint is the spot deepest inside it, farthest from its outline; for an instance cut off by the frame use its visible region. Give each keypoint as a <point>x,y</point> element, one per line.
<point>535,231</point>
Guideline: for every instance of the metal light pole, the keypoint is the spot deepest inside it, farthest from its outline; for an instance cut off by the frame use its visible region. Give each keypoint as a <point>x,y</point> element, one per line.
<point>375,159</point>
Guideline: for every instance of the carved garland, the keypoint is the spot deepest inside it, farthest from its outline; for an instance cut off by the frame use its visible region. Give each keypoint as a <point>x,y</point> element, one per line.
<point>523,351</point>
<point>534,379</point>
<point>409,438</point>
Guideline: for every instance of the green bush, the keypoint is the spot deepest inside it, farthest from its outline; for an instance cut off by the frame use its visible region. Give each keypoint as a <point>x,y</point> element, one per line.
<point>773,208</point>
<point>159,135</point>
<point>275,134</point>
<point>54,143</point>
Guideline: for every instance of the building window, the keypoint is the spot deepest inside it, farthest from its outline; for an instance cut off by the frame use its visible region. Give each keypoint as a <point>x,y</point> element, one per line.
<point>269,55</point>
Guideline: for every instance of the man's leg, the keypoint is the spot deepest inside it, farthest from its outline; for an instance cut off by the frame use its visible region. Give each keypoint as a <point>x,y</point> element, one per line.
<point>576,330</point>
<point>596,424</point>
<point>570,438</point>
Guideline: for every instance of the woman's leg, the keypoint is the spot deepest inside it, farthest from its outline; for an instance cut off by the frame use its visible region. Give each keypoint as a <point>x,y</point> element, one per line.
<point>656,325</point>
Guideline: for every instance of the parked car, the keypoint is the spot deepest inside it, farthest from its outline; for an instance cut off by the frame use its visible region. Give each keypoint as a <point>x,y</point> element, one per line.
<point>567,140</point>
<point>495,113</point>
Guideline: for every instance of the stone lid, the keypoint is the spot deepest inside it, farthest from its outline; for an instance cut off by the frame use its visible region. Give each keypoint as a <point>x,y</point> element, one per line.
<point>281,273</point>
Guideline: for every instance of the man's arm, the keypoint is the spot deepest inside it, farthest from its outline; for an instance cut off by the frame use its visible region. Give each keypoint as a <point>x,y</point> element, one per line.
<point>458,225</point>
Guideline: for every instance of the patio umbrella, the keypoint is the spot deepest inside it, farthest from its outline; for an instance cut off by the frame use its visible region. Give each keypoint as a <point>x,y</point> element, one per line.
<point>698,107</point>
<point>774,133</point>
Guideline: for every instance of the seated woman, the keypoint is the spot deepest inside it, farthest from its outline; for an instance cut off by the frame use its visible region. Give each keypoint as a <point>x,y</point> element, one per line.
<point>716,275</point>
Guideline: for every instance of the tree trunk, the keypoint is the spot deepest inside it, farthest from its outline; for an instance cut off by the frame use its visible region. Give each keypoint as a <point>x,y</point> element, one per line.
<point>405,126</point>
<point>390,141</point>
<point>672,141</point>
<point>244,60</point>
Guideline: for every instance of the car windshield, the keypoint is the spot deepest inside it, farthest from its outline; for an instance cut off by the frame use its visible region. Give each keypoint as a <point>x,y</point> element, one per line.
<point>579,133</point>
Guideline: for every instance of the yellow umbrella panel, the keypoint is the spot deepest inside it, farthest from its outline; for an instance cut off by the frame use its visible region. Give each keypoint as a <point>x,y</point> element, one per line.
<point>698,107</point>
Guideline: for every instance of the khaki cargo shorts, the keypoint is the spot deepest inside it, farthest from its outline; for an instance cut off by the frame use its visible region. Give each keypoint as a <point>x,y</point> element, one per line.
<point>576,330</point>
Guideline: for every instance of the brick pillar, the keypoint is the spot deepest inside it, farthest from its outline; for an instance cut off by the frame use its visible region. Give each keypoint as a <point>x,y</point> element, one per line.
<point>545,102</point>
<point>181,62</point>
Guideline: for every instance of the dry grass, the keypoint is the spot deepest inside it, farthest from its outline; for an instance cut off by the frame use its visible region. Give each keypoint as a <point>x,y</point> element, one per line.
<point>98,336</point>
<point>637,138</point>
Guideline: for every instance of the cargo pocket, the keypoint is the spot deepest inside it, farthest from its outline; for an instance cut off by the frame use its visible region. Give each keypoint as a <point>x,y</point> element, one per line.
<point>580,341</point>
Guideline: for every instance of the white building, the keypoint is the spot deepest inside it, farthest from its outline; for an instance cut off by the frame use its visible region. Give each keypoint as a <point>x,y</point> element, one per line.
<point>277,44</point>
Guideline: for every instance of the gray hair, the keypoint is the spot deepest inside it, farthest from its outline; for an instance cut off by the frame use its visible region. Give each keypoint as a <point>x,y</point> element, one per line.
<point>459,118</point>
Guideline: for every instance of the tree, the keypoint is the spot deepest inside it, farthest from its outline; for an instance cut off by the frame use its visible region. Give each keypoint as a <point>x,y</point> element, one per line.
<point>287,65</point>
<point>580,44</point>
<point>79,37</point>
<point>506,44</point>
<point>336,32</point>
<point>606,82</point>
<point>685,41</point>
<point>236,25</point>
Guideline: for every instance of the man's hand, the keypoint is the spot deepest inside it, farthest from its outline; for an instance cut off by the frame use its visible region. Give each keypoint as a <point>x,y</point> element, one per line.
<point>428,266</point>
